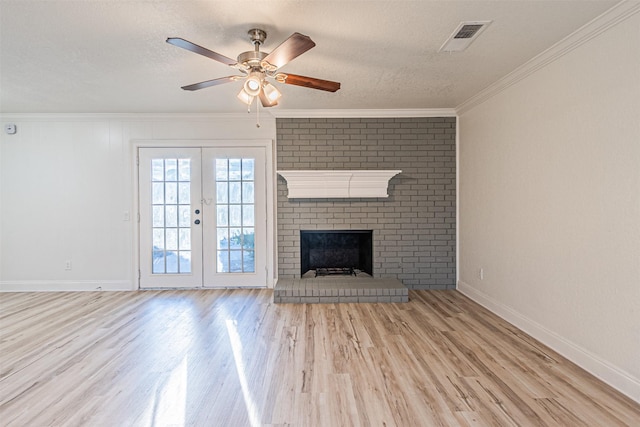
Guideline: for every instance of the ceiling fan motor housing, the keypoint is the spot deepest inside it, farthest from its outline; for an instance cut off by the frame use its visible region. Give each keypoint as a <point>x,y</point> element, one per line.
<point>257,36</point>
<point>251,59</point>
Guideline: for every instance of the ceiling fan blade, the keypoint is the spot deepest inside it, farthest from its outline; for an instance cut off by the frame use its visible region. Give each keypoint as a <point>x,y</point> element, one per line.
<point>291,48</point>
<point>213,82</point>
<point>312,83</point>
<point>185,44</point>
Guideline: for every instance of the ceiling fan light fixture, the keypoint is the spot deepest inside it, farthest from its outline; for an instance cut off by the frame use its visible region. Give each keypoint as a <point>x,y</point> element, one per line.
<point>272,94</point>
<point>253,84</point>
<point>245,97</point>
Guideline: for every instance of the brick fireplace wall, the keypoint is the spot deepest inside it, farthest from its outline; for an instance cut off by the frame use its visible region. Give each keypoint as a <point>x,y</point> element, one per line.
<point>414,229</point>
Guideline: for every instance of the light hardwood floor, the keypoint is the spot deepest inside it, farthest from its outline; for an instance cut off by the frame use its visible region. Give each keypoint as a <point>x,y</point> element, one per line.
<point>233,358</point>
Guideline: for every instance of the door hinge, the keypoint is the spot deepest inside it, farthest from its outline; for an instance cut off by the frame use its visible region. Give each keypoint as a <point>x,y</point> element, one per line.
<point>139,276</point>
<point>137,160</point>
<point>138,215</point>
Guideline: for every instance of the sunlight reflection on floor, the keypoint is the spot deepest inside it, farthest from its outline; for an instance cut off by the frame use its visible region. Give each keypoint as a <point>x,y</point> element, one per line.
<point>236,346</point>
<point>167,407</point>
<point>172,399</point>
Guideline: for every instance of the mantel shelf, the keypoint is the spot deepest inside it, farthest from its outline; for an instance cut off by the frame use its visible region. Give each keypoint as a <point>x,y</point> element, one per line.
<point>321,184</point>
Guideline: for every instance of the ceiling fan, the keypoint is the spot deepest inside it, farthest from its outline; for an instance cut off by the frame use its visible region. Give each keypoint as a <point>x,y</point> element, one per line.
<point>257,67</point>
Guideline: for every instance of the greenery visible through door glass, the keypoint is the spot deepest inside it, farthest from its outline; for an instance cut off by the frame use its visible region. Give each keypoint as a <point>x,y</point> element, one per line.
<point>235,215</point>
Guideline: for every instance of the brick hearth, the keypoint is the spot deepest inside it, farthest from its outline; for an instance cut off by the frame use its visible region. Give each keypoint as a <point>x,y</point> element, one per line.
<point>339,290</point>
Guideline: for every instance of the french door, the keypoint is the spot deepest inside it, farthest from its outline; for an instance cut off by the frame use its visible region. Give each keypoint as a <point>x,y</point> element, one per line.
<point>202,217</point>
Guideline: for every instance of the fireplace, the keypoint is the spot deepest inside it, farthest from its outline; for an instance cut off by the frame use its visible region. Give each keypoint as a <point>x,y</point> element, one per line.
<point>336,252</point>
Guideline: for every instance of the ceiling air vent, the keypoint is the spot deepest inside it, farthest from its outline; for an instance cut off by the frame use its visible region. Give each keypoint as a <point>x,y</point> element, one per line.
<point>467,31</point>
<point>463,36</point>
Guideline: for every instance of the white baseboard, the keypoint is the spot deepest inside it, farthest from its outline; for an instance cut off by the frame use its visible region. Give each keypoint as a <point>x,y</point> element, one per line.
<point>65,285</point>
<point>615,377</point>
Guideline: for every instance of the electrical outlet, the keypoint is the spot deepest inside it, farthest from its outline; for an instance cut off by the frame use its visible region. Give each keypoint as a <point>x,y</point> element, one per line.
<point>67,264</point>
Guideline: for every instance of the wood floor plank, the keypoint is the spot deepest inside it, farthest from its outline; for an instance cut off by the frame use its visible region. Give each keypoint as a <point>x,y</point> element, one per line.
<point>232,357</point>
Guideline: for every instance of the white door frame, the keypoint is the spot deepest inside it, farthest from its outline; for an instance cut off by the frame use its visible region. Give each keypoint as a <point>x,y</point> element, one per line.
<point>269,147</point>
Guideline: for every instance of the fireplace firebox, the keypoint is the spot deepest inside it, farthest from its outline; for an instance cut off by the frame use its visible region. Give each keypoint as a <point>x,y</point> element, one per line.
<point>336,251</point>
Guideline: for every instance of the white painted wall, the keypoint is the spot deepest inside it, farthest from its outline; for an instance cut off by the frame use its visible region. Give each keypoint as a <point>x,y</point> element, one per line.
<point>550,204</point>
<point>66,182</point>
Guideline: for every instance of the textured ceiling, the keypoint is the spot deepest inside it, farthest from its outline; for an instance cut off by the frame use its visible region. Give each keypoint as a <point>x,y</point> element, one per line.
<point>110,56</point>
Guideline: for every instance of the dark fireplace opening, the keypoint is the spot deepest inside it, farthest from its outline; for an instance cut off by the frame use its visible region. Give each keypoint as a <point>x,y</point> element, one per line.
<point>336,251</point>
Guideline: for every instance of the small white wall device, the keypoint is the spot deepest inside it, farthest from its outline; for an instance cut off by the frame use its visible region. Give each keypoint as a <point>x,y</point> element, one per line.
<point>10,128</point>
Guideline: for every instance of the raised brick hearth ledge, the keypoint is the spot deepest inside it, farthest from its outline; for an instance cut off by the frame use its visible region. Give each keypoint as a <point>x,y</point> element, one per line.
<point>339,289</point>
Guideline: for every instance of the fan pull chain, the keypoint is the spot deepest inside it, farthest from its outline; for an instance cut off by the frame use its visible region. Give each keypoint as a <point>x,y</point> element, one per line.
<point>257,113</point>
<point>257,110</point>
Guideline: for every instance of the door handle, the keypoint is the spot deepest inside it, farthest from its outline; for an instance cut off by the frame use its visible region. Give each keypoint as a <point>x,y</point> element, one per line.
<point>197,221</point>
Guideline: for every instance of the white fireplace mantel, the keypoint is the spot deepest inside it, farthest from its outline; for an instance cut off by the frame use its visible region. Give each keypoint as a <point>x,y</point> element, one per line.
<point>319,184</point>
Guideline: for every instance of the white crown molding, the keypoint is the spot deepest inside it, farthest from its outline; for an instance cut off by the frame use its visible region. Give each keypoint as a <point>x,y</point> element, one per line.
<point>266,115</point>
<point>610,374</point>
<point>597,26</point>
<point>391,113</point>
<point>132,116</point>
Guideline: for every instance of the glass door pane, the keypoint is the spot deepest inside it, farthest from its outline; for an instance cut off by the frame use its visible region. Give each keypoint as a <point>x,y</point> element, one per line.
<point>235,229</point>
<point>171,224</point>
<point>235,214</point>
<point>170,210</point>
